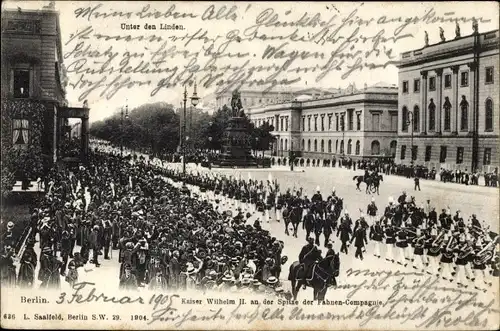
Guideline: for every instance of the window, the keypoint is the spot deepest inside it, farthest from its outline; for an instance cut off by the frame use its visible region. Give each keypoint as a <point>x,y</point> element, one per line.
<point>329,122</point>
<point>394,122</point>
<point>322,123</point>
<point>350,118</point>
<point>403,152</point>
<point>322,146</point>
<point>315,123</point>
<point>487,156</point>
<point>488,77</point>
<point>281,124</point>
<point>286,123</point>
<point>432,83</point>
<point>336,146</point>
<point>414,152</point>
<point>303,124</point>
<point>281,143</point>
<point>336,123</point>
<point>342,123</point>
<point>358,122</point>
<point>303,144</point>
<point>416,86</point>
<point>464,114</point>
<point>447,81</point>
<point>393,147</point>
<point>21,87</point>
<point>447,114</point>
<point>460,155</point>
<point>428,153</point>
<point>416,119</point>
<point>432,116</point>
<point>329,146</point>
<point>405,86</point>
<point>286,144</point>
<point>442,154</point>
<point>308,124</point>
<point>20,131</point>
<point>342,147</point>
<point>358,147</point>
<point>404,119</point>
<point>349,146</point>
<point>464,78</point>
<point>315,145</point>
<point>376,122</point>
<point>308,145</point>
<point>375,147</point>
<point>488,113</point>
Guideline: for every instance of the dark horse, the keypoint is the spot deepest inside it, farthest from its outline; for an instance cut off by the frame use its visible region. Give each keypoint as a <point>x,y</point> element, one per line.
<point>292,215</point>
<point>372,183</point>
<point>319,276</point>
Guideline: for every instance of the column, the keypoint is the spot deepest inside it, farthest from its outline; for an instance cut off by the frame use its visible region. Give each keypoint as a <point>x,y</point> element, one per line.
<point>439,101</point>
<point>85,136</point>
<point>455,114</point>
<point>423,101</point>
<point>472,101</point>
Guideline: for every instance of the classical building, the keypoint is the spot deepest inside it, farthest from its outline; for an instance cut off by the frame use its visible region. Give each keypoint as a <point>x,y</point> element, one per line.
<point>353,123</point>
<point>449,103</point>
<point>256,97</point>
<point>34,107</point>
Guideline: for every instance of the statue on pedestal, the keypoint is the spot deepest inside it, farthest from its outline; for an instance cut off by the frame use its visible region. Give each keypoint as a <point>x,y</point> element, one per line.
<point>236,106</point>
<point>426,39</point>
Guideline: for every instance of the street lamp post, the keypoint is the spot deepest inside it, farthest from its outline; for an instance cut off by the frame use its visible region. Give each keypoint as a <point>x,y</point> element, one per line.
<point>410,123</point>
<point>194,101</point>
<point>121,127</point>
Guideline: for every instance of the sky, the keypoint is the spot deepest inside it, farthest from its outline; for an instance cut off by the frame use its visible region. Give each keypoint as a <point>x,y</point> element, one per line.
<point>234,26</point>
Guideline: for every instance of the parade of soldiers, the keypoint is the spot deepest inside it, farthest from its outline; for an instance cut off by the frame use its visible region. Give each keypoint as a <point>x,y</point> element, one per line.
<point>176,231</point>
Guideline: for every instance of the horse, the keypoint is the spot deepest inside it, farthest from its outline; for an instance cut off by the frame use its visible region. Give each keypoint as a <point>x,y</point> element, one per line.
<point>319,276</point>
<point>376,183</point>
<point>292,215</point>
<point>359,179</point>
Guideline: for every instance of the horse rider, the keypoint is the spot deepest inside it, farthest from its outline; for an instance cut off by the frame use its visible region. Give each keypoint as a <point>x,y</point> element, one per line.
<point>306,251</point>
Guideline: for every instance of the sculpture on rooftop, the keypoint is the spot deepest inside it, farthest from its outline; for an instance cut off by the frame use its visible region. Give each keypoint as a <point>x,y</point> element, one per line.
<point>457,30</point>
<point>426,38</point>
<point>441,34</point>
<point>475,26</point>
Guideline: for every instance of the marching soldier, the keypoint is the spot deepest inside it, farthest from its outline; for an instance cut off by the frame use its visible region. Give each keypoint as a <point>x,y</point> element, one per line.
<point>390,240</point>
<point>371,210</point>
<point>463,252</point>
<point>377,235</point>
<point>65,250</point>
<point>345,232</point>
<point>360,241</point>
<point>418,244</point>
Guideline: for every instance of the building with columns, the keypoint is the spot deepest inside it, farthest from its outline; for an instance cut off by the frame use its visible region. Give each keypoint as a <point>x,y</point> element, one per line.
<point>352,123</point>
<point>449,103</point>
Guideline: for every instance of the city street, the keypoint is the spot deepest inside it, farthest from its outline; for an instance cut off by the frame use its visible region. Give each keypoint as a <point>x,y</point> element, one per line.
<point>479,200</point>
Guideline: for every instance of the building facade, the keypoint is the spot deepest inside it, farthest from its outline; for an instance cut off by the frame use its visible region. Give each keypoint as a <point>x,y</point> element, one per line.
<point>449,104</point>
<point>256,97</point>
<point>358,124</point>
<point>34,107</point>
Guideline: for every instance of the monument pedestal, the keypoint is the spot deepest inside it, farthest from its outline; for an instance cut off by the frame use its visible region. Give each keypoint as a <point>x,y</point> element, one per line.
<point>236,150</point>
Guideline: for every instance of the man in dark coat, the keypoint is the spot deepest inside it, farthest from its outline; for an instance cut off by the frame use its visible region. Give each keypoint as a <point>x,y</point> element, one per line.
<point>94,245</point>
<point>26,276</point>
<point>128,281</point>
<point>345,232</point>
<point>359,239</point>
<point>7,268</point>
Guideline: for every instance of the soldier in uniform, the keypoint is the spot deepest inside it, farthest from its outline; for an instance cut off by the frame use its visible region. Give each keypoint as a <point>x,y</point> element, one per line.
<point>94,245</point>
<point>463,251</point>
<point>418,249</point>
<point>390,240</point>
<point>377,235</point>
<point>371,210</point>
<point>402,244</point>
<point>359,239</point>
<point>345,232</point>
